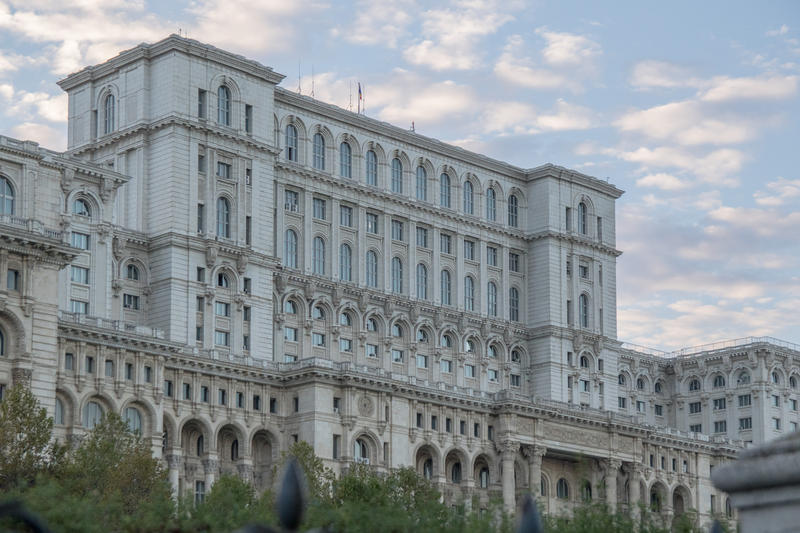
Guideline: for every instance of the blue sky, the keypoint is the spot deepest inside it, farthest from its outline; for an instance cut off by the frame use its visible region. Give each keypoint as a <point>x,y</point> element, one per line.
<point>690,107</point>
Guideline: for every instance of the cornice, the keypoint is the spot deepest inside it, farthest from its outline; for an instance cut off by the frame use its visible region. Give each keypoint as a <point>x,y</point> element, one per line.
<point>550,170</point>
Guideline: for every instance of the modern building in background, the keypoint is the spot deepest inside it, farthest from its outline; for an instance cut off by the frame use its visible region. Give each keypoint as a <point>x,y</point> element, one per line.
<point>234,267</point>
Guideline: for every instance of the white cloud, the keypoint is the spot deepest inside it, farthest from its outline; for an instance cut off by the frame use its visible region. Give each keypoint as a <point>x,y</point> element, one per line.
<point>522,71</point>
<point>653,73</point>
<point>725,89</point>
<point>568,49</point>
<point>47,136</point>
<point>411,98</point>
<point>663,181</point>
<point>781,190</point>
<point>783,30</point>
<point>34,106</point>
<point>522,118</point>
<point>378,22</point>
<point>764,222</point>
<point>715,167</point>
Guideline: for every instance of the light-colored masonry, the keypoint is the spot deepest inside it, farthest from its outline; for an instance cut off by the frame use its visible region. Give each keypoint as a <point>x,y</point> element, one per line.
<point>234,267</point>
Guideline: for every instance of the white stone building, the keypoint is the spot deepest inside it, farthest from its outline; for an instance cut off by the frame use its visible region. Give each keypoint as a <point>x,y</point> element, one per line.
<point>233,267</point>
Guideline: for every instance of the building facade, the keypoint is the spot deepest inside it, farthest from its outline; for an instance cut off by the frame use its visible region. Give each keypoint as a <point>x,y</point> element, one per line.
<point>234,267</point>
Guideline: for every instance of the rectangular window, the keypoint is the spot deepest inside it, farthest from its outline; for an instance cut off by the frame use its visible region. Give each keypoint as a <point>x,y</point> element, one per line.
<point>372,350</point>
<point>247,285</point>
<point>199,334</point>
<point>77,275</point>
<point>187,391</point>
<point>240,400</point>
<point>204,394</point>
<point>600,274</point>
<point>663,463</point>
<point>89,365</point>
<point>273,405</point>
<point>296,404</point>
<point>719,404</point>
<point>109,368</point>
<point>202,98</point>
<point>445,243</point>
<point>448,425</point>
<point>80,240</point>
<point>491,256</point>
<point>695,407</point>
<point>492,373</point>
<point>568,218</point>
<point>641,406</point>
<point>696,428</point>
<point>130,301</point>
<point>583,271</point>
<point>79,307</point>
<point>69,361</point>
<point>569,269</point>
<point>129,371</point>
<point>515,380</point>
<point>513,262</point>
<point>168,388</point>
<point>337,404</point>
<point>290,334</point>
<point>291,200</point>
<point>256,402</point>
<point>248,118</point>
<point>245,342</point>
<point>199,490</point>
<point>776,423</point>
<point>469,371</point>
<point>462,427</point>
<point>622,403</point>
<point>201,274</point>
<point>346,216</point>
<point>201,218</point>
<point>745,423</point>
<point>745,400</point>
<point>318,339</point>
<point>476,429</point>
<point>222,338</point>
<point>346,345</point>
<point>793,426</point>
<point>599,228</point>
<point>248,230</point>
<point>776,400</point>
<point>148,374</point>
<point>422,361</point>
<point>246,313</point>
<point>319,208</point>
<point>337,443</point>
<point>397,230</point>
<point>419,420</point>
<point>201,161</point>
<point>652,459</point>
<point>223,170</point>
<point>469,250</point>
<point>372,223</point>
<point>659,410</point>
<point>422,237</point>
<point>793,404</point>
<point>446,366</point>
<point>434,422</point>
<point>222,397</point>
<point>397,356</point>
<point>720,426</point>
<point>585,386</point>
<point>569,312</point>
<point>222,308</point>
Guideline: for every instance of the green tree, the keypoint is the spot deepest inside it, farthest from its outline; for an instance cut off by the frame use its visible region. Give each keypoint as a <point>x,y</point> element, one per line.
<point>26,449</point>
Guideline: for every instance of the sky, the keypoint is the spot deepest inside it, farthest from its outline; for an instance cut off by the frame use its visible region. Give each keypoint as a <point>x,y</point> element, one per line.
<point>692,108</point>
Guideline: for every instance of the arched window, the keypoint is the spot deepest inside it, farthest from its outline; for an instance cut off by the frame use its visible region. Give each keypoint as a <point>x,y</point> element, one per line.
<point>655,501</point>
<point>491,205</point>
<point>318,159</point>
<point>584,309</point>
<point>345,319</point>
<point>200,446</point>
<point>422,336</point>
<point>793,382</point>
<point>444,190</point>
<point>223,217</point>
<point>92,414</point>
<point>658,387</point>
<point>586,492</point>
<point>6,197</point>
<point>291,143</point>
<point>397,330</point>
<point>422,281</point>
<point>59,418</point>
<point>372,269</point>
<point>455,473</point>
<point>515,356</point>
<point>744,378</point>
<point>318,262</point>
<point>372,324</point>
<point>719,381</point>
<point>483,478</point>
<point>584,362</point>
<point>372,168</point>
<point>80,207</point>
<point>289,307</point>
<point>582,218</point>
<point>224,105</point>
<point>235,450</point>
<point>513,304</point>
<point>318,313</point>
<point>469,293</point>
<point>469,345</point>
<point>543,487</point>
<point>621,379</point>
<point>345,263</point>
<point>290,249</point>
<point>132,272</point>
<point>492,352</point>
<point>513,211</point>
<point>469,198</point>
<point>640,383</point>
<point>108,109</point>
<point>134,420</point>
<point>422,184</point>
<point>447,341</point>
<point>562,489</point>
<point>360,450</point>
<point>694,385</point>
<point>445,287</point>
<point>728,508</point>
<point>345,161</point>
<point>397,275</point>
<point>397,176</point>
<point>492,298</point>
<point>776,378</point>
<point>223,280</point>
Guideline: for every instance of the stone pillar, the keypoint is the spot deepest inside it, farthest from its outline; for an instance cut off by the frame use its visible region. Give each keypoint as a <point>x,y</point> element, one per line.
<point>509,489</point>
<point>535,454</point>
<point>612,468</point>
<point>245,468</point>
<point>174,465</point>
<point>634,482</point>
<point>211,465</point>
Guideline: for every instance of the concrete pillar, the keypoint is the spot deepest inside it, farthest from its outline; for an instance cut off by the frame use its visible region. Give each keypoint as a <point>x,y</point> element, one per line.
<point>535,454</point>
<point>612,468</point>
<point>245,468</point>
<point>509,488</point>
<point>635,470</point>
<point>211,465</point>
<point>174,465</point>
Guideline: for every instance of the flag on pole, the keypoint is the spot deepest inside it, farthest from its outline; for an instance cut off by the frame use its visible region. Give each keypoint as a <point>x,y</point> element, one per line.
<point>360,97</point>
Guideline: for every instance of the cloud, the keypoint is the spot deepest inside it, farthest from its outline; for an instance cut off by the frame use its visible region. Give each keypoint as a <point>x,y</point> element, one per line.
<point>523,71</point>
<point>653,73</point>
<point>765,88</point>
<point>52,138</point>
<point>378,22</point>
<point>26,105</point>
<point>568,49</point>
<point>451,37</point>
<point>410,98</point>
<point>783,30</point>
<point>763,222</point>
<point>781,190</point>
<point>665,182</point>
<point>522,118</point>
<point>715,167</point>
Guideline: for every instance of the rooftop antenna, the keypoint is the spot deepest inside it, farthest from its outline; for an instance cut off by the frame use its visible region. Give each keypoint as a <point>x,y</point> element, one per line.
<point>350,105</point>
<point>413,129</point>
<point>299,78</point>
<point>312,80</point>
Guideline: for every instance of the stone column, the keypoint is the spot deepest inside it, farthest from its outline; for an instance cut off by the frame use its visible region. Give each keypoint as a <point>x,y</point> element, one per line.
<point>535,454</point>
<point>612,468</point>
<point>211,465</point>
<point>174,465</point>
<point>245,468</point>
<point>635,470</point>
<point>509,489</point>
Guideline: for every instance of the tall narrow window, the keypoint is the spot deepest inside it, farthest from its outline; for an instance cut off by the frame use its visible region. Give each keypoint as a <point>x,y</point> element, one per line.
<point>444,190</point>
<point>492,299</point>
<point>513,214</point>
<point>582,218</point>
<point>397,176</point>
<point>422,282</point>
<point>202,98</point>
<point>469,198</point>
<point>513,304</point>
<point>469,293</point>
<point>319,256</point>
<point>345,161</point>
<point>445,287</point>
<point>397,275</point>
<point>372,269</point>
<point>319,152</point>
<point>224,105</point>
<point>491,205</point>
<point>291,143</point>
<point>372,168</point>
<point>345,263</point>
<point>584,310</point>
<point>248,118</point>
<point>290,249</point>
<point>422,184</point>
<point>6,197</point>
<point>223,217</point>
<point>109,114</point>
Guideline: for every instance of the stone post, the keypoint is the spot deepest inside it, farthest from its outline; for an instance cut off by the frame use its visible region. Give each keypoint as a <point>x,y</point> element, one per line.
<point>210,465</point>
<point>509,452</point>
<point>535,454</point>
<point>174,464</point>
<point>634,484</point>
<point>612,468</point>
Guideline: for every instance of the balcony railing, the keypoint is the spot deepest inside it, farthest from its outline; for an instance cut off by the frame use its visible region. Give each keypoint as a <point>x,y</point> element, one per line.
<point>32,225</point>
<point>711,347</point>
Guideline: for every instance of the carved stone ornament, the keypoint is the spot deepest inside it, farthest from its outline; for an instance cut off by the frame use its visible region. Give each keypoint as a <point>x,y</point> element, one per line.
<point>280,282</point>
<point>388,308</point>
<point>577,341</point>
<point>211,256</point>
<point>67,176</point>
<point>309,289</point>
<point>363,301</point>
<point>365,406</point>
<point>118,247</point>
<point>438,321</point>
<point>485,329</point>
<point>241,263</point>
